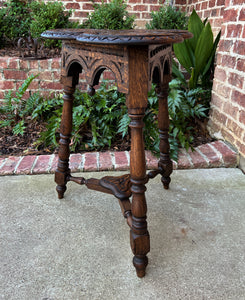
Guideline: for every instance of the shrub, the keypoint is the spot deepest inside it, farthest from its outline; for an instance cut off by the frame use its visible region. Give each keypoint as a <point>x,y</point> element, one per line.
<point>49,15</point>
<point>168,17</point>
<point>21,17</point>
<point>16,19</point>
<point>112,15</point>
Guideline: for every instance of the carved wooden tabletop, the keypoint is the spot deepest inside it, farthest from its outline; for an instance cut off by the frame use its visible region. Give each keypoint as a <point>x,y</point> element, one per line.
<point>124,37</point>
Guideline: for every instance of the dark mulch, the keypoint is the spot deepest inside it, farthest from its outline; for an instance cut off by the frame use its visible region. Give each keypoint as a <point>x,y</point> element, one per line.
<point>25,145</point>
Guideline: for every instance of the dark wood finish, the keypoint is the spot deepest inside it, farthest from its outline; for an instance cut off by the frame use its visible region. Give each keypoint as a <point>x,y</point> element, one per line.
<point>137,58</point>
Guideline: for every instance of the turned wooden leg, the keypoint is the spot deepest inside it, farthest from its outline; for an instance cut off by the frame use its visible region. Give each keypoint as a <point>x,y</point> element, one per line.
<point>165,164</point>
<point>63,170</point>
<point>139,236</point>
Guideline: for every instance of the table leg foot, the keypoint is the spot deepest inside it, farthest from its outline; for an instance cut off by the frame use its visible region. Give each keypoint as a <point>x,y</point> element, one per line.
<point>61,191</point>
<point>166,170</point>
<point>140,244</point>
<point>140,264</point>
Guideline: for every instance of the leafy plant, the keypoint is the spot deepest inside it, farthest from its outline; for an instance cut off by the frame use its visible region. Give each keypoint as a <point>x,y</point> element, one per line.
<point>16,109</point>
<point>95,119</point>
<point>168,17</point>
<point>197,54</point>
<point>112,15</point>
<point>49,15</point>
<point>184,107</point>
<point>19,18</point>
<point>15,19</point>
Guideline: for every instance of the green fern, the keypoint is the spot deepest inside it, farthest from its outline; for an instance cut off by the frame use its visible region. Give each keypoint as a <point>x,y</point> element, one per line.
<point>15,109</point>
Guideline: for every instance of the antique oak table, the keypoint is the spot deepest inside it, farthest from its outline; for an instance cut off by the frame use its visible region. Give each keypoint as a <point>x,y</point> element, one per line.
<point>137,59</point>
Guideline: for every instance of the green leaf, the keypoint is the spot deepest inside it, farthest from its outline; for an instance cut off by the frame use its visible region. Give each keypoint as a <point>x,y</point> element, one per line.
<point>185,55</point>
<point>212,56</point>
<point>203,49</point>
<point>195,26</point>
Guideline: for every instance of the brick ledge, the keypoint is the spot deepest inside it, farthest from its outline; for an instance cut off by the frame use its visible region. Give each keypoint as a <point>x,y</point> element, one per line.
<point>212,155</point>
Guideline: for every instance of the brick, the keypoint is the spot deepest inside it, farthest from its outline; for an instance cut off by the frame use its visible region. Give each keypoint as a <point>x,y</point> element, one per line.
<point>56,75</point>
<point>230,110</point>
<point>220,2</point>
<point>56,63</point>
<point>229,156</point>
<point>223,91</point>
<point>156,1</point>
<point>134,1</point>
<point>7,85</point>
<point>234,30</point>
<point>225,45</point>
<point>2,95</point>
<point>197,160</point>
<point>80,14</point>
<point>75,162</point>
<point>242,13</point>
<point>33,64</point>
<point>121,161</point>
<point>240,147</point>
<point>3,63</point>
<point>9,165</point>
<point>220,74</point>
<point>140,8</point>
<point>236,80</point>
<point>42,165</point>
<point>44,64</point>
<point>13,63</point>
<point>45,75</point>
<point>24,64</point>
<point>230,15</point>
<point>242,117</point>
<point>72,6</point>
<point>50,85</point>
<point>234,127</point>
<point>211,3</point>
<point>105,161</point>
<point>90,163</point>
<point>151,160</point>
<point>108,75</point>
<point>213,158</point>
<point>183,160</point>
<point>214,13</point>
<point>228,61</point>
<point>154,7</point>
<point>240,64</point>
<point>217,100</point>
<point>239,47</point>
<point>204,5</point>
<point>88,6</point>
<point>16,74</point>
<point>54,164</point>
<point>219,116</point>
<point>26,165</point>
<point>238,98</point>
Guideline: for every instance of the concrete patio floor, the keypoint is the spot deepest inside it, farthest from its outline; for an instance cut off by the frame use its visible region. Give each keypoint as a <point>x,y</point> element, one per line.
<point>78,247</point>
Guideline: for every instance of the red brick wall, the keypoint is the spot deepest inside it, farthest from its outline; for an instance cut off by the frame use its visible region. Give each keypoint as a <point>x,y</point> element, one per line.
<point>211,9</point>
<point>227,118</point>
<point>13,71</point>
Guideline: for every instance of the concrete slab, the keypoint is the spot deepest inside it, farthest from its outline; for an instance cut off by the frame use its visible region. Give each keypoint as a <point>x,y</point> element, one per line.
<point>78,248</point>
